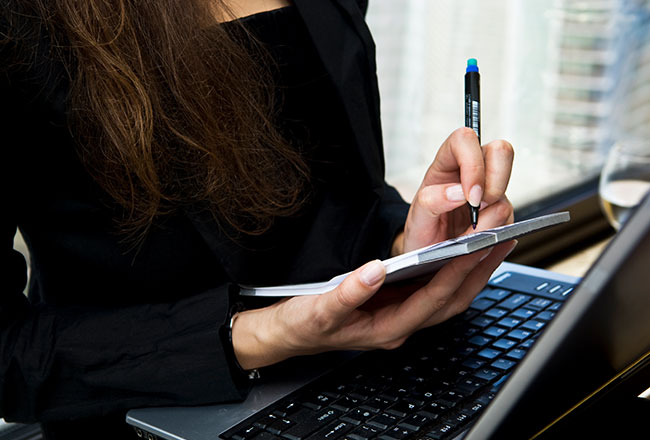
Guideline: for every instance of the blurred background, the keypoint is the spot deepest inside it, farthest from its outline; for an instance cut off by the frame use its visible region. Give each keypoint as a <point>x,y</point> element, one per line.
<point>560,79</point>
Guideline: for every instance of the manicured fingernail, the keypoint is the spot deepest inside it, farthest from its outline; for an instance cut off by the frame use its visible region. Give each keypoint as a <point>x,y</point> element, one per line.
<point>487,254</point>
<point>455,193</point>
<point>475,196</point>
<point>372,273</point>
<point>483,205</point>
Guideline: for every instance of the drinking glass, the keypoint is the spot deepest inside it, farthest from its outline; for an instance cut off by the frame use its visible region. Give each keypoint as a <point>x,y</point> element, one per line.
<point>625,179</point>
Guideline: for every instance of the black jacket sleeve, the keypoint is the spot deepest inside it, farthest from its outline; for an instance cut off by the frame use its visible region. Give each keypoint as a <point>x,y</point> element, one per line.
<point>73,362</point>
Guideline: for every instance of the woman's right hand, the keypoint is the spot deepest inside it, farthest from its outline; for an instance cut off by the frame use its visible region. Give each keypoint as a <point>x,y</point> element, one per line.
<point>360,314</point>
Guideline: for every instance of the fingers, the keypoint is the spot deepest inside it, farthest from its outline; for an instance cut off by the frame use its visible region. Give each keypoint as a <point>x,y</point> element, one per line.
<point>499,156</point>
<point>484,172</point>
<point>473,283</point>
<point>419,308</point>
<point>430,202</point>
<point>355,290</point>
<point>497,214</point>
<point>461,155</point>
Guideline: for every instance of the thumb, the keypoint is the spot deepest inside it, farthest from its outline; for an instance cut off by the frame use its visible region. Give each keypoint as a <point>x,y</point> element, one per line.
<point>355,290</point>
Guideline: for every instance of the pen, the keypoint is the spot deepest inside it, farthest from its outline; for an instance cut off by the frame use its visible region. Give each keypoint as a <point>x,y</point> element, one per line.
<point>473,113</point>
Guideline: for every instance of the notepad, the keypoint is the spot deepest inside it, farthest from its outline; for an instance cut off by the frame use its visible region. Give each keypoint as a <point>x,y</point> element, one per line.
<point>424,261</point>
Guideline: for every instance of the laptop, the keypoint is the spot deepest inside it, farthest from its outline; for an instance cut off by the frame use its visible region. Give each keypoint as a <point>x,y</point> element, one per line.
<point>534,348</point>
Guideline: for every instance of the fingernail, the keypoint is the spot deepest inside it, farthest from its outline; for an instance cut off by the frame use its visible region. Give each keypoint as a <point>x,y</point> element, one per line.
<point>483,205</point>
<point>487,254</point>
<point>372,273</point>
<point>475,196</point>
<point>455,193</point>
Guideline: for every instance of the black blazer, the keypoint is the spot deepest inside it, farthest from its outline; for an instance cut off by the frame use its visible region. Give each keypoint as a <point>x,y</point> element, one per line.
<point>106,329</point>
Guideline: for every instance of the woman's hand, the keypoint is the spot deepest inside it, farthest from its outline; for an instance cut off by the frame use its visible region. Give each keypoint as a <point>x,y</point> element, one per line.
<point>358,315</point>
<point>461,172</point>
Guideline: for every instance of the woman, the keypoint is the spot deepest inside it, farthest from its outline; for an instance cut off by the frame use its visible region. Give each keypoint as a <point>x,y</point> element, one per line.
<point>158,154</point>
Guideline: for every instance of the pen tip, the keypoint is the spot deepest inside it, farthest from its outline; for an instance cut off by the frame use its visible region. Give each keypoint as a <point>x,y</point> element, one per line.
<point>474,226</point>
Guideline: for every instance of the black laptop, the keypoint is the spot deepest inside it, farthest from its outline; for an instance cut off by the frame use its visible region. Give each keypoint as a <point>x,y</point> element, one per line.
<point>533,348</point>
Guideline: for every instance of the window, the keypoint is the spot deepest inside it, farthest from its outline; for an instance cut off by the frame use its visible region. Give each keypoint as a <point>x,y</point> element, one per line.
<point>560,80</point>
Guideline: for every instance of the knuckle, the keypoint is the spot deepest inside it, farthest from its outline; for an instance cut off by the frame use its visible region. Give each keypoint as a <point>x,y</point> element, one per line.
<point>392,344</point>
<point>504,209</point>
<point>423,197</point>
<point>343,296</point>
<point>503,147</point>
<point>463,133</point>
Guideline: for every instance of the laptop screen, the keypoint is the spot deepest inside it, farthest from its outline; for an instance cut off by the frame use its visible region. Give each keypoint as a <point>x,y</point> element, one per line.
<point>602,331</point>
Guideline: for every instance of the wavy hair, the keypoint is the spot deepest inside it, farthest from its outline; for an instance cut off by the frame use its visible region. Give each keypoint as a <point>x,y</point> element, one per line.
<point>170,109</point>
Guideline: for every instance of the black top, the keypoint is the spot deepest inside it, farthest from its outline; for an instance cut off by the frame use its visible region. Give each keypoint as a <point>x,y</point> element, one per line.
<point>105,329</point>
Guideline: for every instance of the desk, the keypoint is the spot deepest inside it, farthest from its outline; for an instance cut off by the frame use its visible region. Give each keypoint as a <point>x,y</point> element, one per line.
<point>578,264</point>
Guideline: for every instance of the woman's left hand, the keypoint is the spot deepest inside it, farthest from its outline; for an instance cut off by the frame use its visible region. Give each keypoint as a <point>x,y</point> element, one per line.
<point>462,171</point>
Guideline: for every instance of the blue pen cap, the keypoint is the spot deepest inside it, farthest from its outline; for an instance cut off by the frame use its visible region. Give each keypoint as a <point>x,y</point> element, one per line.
<point>472,65</point>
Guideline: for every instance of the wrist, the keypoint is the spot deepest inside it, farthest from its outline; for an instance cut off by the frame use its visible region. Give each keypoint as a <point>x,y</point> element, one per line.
<point>256,340</point>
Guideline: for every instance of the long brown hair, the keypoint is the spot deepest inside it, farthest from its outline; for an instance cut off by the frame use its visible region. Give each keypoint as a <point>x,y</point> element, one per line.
<point>171,110</point>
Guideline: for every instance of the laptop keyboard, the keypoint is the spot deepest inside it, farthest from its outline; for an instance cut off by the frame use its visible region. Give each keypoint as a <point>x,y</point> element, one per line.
<point>433,387</point>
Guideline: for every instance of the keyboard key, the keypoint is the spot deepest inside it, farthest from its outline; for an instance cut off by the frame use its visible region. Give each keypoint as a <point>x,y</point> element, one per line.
<point>286,409</point>
<point>527,344</point>
<point>263,435</point>
<point>402,408</point>
<point>481,304</point>
<point>415,422</point>
<point>533,325</point>
<point>516,354</point>
<point>489,353</point>
<point>481,321</point>
<point>309,423</point>
<point>332,431</point>
<point>519,334</point>
<point>503,364</point>
<point>554,307</point>
<point>247,433</point>
<point>267,420</point>
<point>522,313</point>
<point>465,351</point>
<point>555,288</point>
<point>346,403</point>
<point>470,385</point>
<point>497,294</point>
<point>383,421</point>
<point>433,410</point>
<point>364,432</point>
<point>473,364</point>
<point>479,340</point>
<point>504,344</point>
<point>545,316</point>
<point>376,404</point>
<point>494,332</point>
<point>514,301</point>
<point>357,416</point>
<point>567,291</point>
<point>458,419</point>
<point>496,313</point>
<point>396,433</point>
<point>509,322</point>
<point>440,431</point>
<point>280,426</point>
<point>539,304</point>
<point>450,398</point>
<point>486,374</point>
<point>542,286</point>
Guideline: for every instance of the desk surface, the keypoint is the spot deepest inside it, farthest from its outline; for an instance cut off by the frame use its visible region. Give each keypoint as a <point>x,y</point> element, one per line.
<point>578,264</point>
